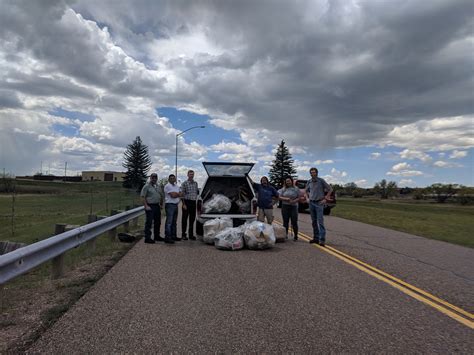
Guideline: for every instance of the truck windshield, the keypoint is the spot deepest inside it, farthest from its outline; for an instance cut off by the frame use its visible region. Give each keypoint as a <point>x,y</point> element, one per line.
<point>227,169</point>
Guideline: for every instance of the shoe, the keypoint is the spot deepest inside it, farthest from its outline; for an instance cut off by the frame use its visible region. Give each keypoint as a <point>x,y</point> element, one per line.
<point>314,241</point>
<point>149,241</point>
<point>322,243</point>
<point>295,239</point>
<point>169,241</point>
<point>192,238</point>
<point>159,239</point>
<point>176,239</point>
<point>184,237</point>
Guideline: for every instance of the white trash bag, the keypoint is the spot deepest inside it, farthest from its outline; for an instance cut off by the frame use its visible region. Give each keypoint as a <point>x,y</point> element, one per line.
<point>259,235</point>
<point>214,226</point>
<point>217,204</point>
<point>280,233</point>
<point>229,239</point>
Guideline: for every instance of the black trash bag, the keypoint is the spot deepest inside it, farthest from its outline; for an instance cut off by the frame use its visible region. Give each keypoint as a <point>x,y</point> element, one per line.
<point>126,238</point>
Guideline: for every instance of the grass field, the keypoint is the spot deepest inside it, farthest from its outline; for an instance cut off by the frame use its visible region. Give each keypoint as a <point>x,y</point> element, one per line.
<point>41,205</point>
<point>31,215</point>
<point>447,222</point>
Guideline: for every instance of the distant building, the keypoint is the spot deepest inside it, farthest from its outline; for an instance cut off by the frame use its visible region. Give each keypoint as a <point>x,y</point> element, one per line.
<point>102,176</point>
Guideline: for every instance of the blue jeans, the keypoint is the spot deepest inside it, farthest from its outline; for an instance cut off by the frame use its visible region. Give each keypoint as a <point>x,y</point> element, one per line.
<point>171,217</point>
<point>317,217</point>
<point>153,217</point>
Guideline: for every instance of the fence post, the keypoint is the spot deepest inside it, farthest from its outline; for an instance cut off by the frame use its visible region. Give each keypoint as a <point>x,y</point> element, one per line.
<point>58,262</point>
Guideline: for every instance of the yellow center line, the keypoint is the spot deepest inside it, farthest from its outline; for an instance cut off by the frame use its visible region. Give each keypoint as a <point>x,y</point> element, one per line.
<point>415,292</point>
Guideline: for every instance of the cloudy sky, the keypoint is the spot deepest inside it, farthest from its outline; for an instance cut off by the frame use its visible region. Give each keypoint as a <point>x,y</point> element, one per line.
<point>363,90</point>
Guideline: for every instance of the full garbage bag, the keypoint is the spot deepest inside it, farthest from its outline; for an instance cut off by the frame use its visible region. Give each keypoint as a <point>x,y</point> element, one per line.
<point>214,226</point>
<point>230,239</point>
<point>258,235</point>
<point>218,203</point>
<point>280,233</point>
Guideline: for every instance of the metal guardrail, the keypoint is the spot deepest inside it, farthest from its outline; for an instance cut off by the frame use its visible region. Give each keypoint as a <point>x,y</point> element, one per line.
<point>24,259</point>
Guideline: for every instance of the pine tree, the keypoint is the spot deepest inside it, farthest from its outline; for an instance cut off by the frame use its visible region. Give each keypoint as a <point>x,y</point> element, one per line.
<point>282,166</point>
<point>138,163</point>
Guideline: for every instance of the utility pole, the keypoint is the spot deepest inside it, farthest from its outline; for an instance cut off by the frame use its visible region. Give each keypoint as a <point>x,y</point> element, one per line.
<point>65,169</point>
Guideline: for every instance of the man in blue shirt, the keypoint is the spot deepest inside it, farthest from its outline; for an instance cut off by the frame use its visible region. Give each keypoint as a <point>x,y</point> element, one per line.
<point>267,195</point>
<point>318,191</point>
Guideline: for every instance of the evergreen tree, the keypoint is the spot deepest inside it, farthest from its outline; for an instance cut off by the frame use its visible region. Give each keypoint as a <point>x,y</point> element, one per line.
<point>282,166</point>
<point>138,163</point>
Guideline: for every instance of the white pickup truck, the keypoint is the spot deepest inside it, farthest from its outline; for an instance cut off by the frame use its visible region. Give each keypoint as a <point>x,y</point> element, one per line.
<point>232,181</point>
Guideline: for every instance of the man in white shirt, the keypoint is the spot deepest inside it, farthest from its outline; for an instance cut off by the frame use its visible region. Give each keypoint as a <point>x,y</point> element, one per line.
<point>172,198</point>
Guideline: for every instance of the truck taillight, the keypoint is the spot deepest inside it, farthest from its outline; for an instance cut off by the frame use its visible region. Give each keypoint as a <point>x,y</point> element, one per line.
<point>254,207</point>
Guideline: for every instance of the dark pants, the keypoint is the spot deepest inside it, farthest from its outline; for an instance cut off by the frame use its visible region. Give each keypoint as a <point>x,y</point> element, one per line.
<point>189,212</point>
<point>290,212</point>
<point>171,217</point>
<point>153,216</point>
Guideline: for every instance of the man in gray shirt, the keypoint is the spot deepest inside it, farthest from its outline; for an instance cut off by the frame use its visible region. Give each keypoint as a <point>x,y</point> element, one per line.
<point>317,192</point>
<point>152,198</point>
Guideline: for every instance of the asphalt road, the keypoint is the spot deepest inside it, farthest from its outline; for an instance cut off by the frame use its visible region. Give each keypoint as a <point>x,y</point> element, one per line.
<point>191,297</point>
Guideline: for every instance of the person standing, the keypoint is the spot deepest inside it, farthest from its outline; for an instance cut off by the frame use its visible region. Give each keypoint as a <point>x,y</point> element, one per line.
<point>189,192</point>
<point>172,198</point>
<point>289,196</point>
<point>317,192</point>
<point>152,198</point>
<point>266,195</point>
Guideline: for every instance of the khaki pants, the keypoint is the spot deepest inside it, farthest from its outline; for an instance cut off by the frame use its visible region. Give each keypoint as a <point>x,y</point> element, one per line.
<point>265,212</point>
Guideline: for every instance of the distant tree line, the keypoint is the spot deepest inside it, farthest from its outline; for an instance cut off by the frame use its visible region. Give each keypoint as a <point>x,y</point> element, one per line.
<point>383,189</point>
<point>283,166</point>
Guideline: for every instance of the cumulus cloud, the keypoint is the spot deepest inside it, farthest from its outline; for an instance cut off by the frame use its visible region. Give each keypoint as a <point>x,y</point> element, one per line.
<point>316,82</point>
<point>415,154</point>
<point>458,154</point>
<point>444,164</point>
<point>403,169</point>
<point>375,155</point>
<point>400,166</point>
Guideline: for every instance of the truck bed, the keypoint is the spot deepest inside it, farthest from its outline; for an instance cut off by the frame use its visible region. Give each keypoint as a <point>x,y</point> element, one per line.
<point>236,188</point>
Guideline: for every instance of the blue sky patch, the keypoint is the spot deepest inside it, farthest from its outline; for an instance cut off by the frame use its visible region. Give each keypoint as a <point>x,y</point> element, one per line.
<point>83,117</point>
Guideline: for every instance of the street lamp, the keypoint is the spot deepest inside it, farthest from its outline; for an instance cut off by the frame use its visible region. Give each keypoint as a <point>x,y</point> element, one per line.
<point>176,160</point>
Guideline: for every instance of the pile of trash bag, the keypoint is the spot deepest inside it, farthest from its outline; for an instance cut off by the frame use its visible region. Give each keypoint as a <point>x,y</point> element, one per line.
<point>218,203</point>
<point>214,226</point>
<point>258,235</point>
<point>230,239</point>
<point>255,235</point>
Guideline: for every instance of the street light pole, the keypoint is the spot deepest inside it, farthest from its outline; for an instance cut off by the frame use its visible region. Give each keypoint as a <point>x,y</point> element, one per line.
<point>176,145</point>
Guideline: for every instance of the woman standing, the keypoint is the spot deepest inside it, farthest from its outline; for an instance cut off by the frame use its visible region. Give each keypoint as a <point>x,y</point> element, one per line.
<point>289,196</point>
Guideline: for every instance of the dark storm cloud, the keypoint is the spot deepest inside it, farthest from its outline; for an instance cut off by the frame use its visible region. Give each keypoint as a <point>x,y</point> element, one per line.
<point>330,72</point>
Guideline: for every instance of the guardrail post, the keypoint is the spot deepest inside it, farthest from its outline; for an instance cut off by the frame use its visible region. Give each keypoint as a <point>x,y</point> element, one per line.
<point>133,222</point>
<point>59,228</point>
<point>113,234</point>
<point>91,218</point>
<point>58,262</point>
<point>58,267</point>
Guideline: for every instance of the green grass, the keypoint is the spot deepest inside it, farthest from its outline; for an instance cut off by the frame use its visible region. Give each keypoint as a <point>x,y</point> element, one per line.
<point>35,214</point>
<point>43,204</point>
<point>447,222</point>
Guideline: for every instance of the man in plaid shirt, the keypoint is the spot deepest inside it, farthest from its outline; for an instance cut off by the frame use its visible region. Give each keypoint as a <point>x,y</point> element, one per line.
<point>189,191</point>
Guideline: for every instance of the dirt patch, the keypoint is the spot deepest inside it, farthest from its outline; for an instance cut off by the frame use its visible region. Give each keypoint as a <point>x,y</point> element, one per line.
<point>32,305</point>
